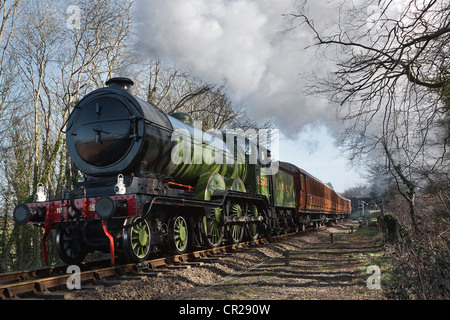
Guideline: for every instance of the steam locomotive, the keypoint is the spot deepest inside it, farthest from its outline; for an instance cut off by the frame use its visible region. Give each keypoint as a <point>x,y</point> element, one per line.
<point>155,182</point>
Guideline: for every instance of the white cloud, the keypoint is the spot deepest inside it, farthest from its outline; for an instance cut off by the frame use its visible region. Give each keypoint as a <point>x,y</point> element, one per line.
<point>242,42</point>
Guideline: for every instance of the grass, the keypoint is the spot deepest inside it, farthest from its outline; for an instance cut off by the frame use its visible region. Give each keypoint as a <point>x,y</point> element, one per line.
<point>369,215</point>
<point>373,257</point>
<point>370,231</point>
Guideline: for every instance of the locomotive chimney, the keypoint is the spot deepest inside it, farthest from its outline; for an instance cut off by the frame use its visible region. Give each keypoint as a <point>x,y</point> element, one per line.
<point>120,83</point>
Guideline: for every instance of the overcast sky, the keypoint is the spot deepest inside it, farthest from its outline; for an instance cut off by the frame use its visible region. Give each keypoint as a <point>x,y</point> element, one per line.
<point>243,43</point>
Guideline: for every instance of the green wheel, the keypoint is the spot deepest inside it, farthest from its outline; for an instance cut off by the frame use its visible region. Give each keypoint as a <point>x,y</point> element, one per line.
<point>252,227</point>
<point>236,230</point>
<point>216,228</point>
<point>236,209</point>
<point>136,240</point>
<point>179,234</point>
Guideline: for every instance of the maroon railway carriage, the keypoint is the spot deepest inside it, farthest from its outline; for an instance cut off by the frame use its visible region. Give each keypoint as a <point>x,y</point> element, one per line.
<point>315,202</point>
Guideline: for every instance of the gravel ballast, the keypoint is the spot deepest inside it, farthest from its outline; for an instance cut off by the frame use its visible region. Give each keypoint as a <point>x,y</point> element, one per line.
<point>318,269</point>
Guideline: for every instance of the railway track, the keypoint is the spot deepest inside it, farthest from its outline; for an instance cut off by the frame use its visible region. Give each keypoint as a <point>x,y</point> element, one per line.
<point>32,283</point>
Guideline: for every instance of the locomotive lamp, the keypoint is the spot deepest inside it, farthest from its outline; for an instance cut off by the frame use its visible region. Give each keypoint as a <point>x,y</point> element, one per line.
<point>40,195</point>
<point>120,188</point>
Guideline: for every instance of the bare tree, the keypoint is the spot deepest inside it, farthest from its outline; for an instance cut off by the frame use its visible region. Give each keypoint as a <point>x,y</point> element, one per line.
<point>90,54</point>
<point>8,11</point>
<point>391,88</point>
<point>390,84</point>
<point>54,66</point>
<point>35,45</point>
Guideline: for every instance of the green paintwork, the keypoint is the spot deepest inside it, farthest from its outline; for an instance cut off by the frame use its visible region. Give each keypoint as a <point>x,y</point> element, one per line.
<point>262,183</point>
<point>282,185</point>
<point>284,189</point>
<point>235,184</point>
<point>198,152</point>
<point>207,183</point>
